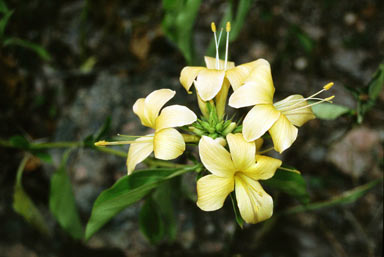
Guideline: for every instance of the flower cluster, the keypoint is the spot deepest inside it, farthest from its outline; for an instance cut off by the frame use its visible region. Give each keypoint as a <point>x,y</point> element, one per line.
<point>230,150</point>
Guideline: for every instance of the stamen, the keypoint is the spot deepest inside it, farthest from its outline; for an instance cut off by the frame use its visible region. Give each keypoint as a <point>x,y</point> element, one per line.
<point>227,29</point>
<point>312,97</point>
<point>130,136</point>
<point>328,99</point>
<point>105,143</point>
<point>213,28</point>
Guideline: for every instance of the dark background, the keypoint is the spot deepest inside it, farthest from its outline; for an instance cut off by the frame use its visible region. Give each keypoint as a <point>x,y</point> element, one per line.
<point>308,44</point>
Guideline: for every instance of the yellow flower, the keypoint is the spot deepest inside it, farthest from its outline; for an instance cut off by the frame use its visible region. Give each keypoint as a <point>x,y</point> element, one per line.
<point>280,118</point>
<point>167,143</point>
<point>238,170</point>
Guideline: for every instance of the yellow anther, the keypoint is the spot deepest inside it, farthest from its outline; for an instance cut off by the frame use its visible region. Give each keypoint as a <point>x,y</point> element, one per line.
<point>329,98</point>
<point>328,86</point>
<point>101,143</point>
<point>228,26</point>
<point>213,27</point>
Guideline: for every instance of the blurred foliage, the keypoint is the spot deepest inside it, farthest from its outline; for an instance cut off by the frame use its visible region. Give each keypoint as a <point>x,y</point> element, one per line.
<point>24,206</point>
<point>14,41</point>
<point>179,19</point>
<point>62,201</point>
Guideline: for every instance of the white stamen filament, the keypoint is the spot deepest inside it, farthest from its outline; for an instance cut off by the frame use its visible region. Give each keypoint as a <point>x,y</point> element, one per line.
<point>227,29</point>
<point>328,99</point>
<point>104,143</point>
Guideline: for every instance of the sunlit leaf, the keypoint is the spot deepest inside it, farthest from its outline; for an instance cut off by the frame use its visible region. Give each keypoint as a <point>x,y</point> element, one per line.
<point>151,222</point>
<point>23,205</point>
<point>62,201</point>
<point>39,50</point>
<point>328,111</point>
<point>289,182</point>
<point>126,191</point>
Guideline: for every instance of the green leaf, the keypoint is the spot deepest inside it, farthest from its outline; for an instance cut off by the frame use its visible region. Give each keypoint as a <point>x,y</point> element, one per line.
<point>328,111</point>
<point>103,130</point>
<point>39,50</point>
<point>178,22</point>
<point>236,210</point>
<point>4,21</point>
<point>289,182</point>
<point>3,7</point>
<point>42,155</point>
<point>19,142</point>
<point>62,201</point>
<point>151,222</point>
<point>24,206</point>
<point>163,196</point>
<point>376,84</point>
<point>126,191</point>
<point>347,197</point>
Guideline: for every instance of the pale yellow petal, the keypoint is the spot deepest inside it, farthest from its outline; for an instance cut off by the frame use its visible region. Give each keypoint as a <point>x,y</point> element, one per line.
<point>140,110</point>
<point>175,116</point>
<point>264,168</point>
<point>258,120</point>
<point>255,205</point>
<point>212,191</point>
<point>155,101</point>
<point>289,106</point>
<point>242,152</point>
<point>139,151</point>
<point>238,74</point>
<point>215,158</point>
<point>211,63</point>
<point>283,134</point>
<point>208,83</point>
<point>168,144</point>
<point>188,75</point>
<point>250,94</point>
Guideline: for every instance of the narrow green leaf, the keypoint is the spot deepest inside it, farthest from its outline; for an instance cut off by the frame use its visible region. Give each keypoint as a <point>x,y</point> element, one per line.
<point>24,206</point>
<point>289,182</point>
<point>103,130</point>
<point>19,142</point>
<point>62,201</point>
<point>3,7</point>
<point>238,217</point>
<point>178,23</point>
<point>328,111</point>
<point>39,50</point>
<point>347,197</point>
<point>126,191</point>
<point>151,222</point>
<point>4,21</point>
<point>376,84</point>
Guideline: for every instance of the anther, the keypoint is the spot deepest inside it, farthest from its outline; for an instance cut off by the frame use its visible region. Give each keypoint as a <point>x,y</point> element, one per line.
<point>228,26</point>
<point>213,27</point>
<point>328,86</point>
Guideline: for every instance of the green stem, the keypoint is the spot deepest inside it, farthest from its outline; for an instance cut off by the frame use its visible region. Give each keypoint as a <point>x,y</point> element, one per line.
<point>55,145</point>
<point>111,151</point>
<point>159,163</point>
<point>20,169</point>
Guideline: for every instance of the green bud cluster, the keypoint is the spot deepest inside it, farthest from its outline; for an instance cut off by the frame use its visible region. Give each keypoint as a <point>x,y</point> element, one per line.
<point>213,126</point>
